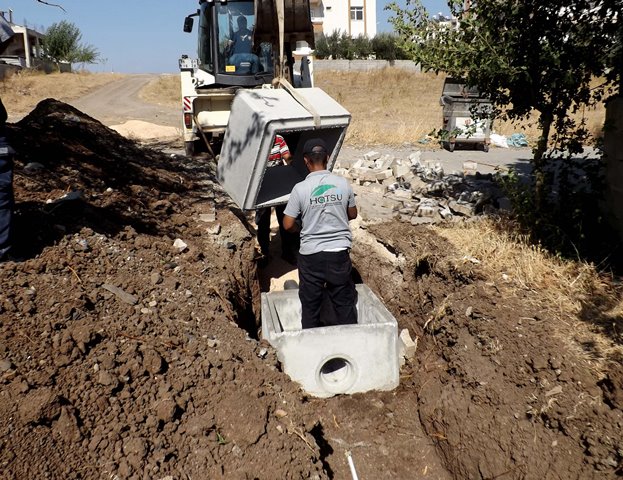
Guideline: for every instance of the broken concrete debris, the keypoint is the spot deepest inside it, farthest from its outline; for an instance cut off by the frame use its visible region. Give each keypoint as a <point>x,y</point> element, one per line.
<point>408,346</point>
<point>421,192</point>
<point>179,245</point>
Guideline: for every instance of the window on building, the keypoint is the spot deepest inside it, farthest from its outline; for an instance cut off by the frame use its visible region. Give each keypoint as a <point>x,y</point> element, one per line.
<point>356,13</point>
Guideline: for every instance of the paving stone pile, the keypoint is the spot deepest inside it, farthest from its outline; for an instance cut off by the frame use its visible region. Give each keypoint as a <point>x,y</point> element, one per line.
<point>422,192</point>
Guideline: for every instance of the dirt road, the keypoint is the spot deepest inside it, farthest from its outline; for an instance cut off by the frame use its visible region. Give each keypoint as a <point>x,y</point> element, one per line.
<point>119,101</point>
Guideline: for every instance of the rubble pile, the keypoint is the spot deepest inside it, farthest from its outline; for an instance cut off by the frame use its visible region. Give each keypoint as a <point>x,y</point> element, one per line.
<point>421,192</point>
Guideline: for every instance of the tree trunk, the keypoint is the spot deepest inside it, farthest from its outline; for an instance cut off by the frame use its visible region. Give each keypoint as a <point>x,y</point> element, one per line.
<point>539,160</point>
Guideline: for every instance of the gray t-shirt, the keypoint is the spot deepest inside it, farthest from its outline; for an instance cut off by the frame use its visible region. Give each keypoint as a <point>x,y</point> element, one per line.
<point>321,200</point>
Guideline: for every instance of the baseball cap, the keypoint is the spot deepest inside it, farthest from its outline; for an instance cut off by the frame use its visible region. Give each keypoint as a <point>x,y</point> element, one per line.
<point>315,145</point>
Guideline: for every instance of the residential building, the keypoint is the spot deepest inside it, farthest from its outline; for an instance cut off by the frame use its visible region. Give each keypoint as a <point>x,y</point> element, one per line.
<point>354,17</point>
<point>23,48</point>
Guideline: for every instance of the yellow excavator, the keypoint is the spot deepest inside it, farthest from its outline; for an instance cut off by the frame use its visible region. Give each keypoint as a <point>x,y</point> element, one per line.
<point>241,44</point>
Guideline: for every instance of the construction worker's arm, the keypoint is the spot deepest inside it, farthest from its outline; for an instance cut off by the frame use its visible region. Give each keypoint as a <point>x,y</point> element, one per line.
<point>351,212</point>
<point>351,208</point>
<point>289,223</point>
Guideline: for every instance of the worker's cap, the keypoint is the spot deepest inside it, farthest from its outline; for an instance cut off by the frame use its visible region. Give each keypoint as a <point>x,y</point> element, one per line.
<point>315,145</point>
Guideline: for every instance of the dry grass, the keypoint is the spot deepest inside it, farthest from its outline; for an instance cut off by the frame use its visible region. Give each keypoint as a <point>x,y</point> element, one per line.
<point>395,106</point>
<point>565,290</point>
<point>166,90</point>
<point>594,118</point>
<point>21,92</point>
<point>390,106</point>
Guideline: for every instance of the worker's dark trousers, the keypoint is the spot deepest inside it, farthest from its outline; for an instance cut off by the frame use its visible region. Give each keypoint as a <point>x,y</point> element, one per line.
<point>6,202</point>
<point>326,289</point>
<point>289,241</point>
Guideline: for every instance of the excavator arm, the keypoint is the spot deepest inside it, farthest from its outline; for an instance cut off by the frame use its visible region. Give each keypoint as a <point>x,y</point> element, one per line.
<point>297,24</point>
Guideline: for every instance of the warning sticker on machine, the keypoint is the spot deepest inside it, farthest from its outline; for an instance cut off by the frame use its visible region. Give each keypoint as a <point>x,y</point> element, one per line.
<point>230,68</point>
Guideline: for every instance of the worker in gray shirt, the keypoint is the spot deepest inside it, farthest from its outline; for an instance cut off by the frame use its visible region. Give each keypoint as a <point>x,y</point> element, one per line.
<point>325,202</point>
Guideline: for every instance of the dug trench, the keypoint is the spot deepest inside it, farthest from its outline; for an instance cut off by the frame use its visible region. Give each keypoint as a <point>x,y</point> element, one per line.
<point>128,346</point>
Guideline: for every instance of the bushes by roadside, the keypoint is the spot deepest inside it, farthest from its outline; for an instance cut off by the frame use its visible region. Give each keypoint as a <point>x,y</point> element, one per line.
<point>340,45</point>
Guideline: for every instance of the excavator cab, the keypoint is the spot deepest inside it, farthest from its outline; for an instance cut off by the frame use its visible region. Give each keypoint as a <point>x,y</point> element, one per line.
<point>226,47</point>
<point>242,44</point>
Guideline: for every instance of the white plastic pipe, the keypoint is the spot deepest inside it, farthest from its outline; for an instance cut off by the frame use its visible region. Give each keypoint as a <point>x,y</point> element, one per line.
<point>351,464</point>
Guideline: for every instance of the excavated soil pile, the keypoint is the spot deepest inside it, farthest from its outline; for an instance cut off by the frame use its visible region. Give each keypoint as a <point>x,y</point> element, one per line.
<point>118,354</point>
<point>500,394</point>
<point>127,344</point>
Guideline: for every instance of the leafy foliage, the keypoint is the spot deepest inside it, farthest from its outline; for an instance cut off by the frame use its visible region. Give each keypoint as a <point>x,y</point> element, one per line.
<point>524,56</point>
<point>386,47</point>
<point>62,44</point>
<point>554,58</point>
<point>570,224</point>
<point>340,45</point>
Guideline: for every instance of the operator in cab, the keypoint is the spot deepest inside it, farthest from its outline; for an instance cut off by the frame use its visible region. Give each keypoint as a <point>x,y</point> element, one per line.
<point>240,49</point>
<point>242,38</point>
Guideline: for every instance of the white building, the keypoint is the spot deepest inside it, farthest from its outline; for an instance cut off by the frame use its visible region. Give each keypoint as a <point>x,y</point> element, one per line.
<point>22,46</point>
<point>355,17</point>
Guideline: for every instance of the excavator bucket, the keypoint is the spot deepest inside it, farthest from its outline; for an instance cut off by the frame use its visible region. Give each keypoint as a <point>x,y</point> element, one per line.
<point>297,21</point>
<point>256,117</point>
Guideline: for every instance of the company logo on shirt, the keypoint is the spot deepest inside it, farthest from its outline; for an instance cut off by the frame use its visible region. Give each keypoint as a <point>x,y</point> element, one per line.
<point>321,195</point>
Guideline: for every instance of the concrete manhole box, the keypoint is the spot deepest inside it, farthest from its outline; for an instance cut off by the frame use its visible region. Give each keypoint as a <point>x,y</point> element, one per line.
<point>256,117</point>
<point>340,359</point>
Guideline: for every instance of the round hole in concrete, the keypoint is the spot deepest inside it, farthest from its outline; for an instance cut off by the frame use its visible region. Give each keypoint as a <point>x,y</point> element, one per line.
<point>336,375</point>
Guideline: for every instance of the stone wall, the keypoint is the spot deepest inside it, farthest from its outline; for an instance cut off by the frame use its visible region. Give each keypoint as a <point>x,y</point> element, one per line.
<point>613,149</point>
<point>363,65</point>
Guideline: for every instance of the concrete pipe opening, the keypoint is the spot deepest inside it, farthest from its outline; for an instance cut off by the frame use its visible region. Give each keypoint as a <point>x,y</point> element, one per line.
<point>336,375</point>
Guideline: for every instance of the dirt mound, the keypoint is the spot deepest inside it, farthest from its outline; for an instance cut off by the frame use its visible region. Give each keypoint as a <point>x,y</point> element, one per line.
<point>128,349</point>
<point>121,355</point>
<point>497,391</point>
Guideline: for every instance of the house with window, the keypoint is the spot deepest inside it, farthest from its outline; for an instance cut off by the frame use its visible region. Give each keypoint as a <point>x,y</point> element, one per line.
<point>21,46</point>
<point>355,17</point>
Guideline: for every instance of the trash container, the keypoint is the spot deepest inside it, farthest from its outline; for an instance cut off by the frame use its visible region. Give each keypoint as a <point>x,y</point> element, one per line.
<point>461,122</point>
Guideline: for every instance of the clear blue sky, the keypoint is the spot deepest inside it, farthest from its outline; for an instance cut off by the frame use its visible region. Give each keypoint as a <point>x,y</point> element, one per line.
<point>137,36</point>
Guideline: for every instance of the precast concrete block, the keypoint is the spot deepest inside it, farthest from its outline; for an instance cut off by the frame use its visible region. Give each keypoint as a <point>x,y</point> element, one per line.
<point>256,117</point>
<point>339,359</point>
<point>383,175</point>
<point>371,156</point>
<point>401,170</point>
<point>426,211</point>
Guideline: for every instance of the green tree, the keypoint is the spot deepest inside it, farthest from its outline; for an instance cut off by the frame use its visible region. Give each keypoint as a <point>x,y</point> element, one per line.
<point>386,46</point>
<point>62,44</point>
<point>340,45</point>
<point>362,47</point>
<point>526,55</point>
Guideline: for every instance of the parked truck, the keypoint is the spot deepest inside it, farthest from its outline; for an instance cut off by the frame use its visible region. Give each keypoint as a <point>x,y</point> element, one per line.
<point>242,44</point>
